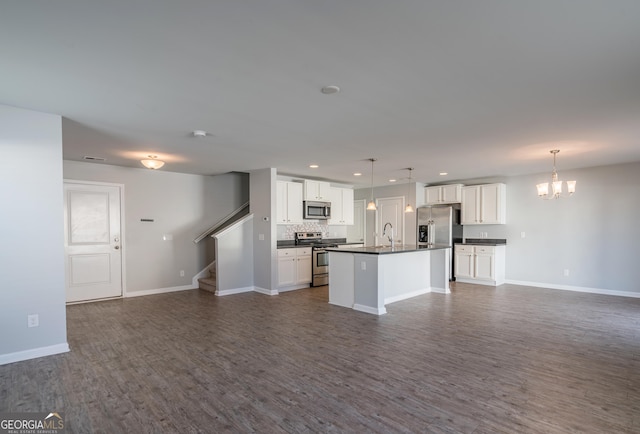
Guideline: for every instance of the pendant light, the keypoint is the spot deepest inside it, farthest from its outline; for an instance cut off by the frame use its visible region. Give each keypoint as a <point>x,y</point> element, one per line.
<point>152,162</point>
<point>409,208</point>
<point>556,185</point>
<point>371,206</point>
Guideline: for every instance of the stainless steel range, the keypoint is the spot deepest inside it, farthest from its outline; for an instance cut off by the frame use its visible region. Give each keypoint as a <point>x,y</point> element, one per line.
<point>320,257</point>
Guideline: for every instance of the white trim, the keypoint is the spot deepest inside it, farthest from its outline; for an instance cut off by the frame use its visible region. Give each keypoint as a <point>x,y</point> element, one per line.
<point>575,288</point>
<point>202,273</point>
<point>34,353</point>
<point>265,291</point>
<point>159,291</point>
<point>223,292</point>
<point>369,309</point>
<point>412,294</point>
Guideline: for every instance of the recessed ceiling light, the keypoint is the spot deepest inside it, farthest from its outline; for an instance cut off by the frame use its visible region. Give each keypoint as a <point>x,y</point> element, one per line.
<point>328,90</point>
<point>444,173</point>
<point>392,180</point>
<point>313,166</point>
<point>357,174</point>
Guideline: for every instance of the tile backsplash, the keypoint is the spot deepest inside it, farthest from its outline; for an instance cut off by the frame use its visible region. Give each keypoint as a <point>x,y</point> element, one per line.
<point>287,232</point>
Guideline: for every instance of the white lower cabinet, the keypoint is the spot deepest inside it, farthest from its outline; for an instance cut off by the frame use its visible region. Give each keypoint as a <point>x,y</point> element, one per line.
<point>294,268</point>
<point>484,265</point>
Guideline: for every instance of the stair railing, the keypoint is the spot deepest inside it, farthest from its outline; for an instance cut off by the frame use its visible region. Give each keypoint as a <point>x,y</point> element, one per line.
<point>221,223</point>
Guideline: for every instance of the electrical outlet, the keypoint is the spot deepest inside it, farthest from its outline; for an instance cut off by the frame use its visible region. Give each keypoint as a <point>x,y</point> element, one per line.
<point>363,266</point>
<point>523,235</point>
<point>33,320</point>
<point>566,272</point>
<point>181,273</point>
<point>261,237</point>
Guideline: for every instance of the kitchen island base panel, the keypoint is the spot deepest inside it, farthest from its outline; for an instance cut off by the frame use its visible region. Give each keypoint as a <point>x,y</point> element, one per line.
<point>341,290</point>
<point>367,282</point>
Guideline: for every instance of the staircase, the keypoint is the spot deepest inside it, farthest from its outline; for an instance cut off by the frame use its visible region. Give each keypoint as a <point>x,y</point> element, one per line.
<point>209,283</point>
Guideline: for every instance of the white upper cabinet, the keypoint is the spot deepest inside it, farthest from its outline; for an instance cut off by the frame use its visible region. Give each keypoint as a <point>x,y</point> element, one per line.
<point>341,206</point>
<point>484,204</point>
<point>289,202</point>
<point>451,193</point>
<point>317,190</point>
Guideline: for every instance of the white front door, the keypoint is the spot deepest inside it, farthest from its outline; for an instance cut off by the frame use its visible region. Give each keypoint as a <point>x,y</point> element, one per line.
<point>92,241</point>
<point>390,210</point>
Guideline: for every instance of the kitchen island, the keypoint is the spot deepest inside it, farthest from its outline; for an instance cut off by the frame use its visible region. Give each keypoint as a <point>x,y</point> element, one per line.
<point>368,278</point>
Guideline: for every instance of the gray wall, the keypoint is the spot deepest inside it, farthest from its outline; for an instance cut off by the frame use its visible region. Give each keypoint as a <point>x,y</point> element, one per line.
<point>592,234</point>
<point>181,205</point>
<point>32,278</point>
<point>263,205</point>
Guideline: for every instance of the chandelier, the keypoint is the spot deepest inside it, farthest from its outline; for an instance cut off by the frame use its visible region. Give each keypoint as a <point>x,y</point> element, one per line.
<point>556,184</point>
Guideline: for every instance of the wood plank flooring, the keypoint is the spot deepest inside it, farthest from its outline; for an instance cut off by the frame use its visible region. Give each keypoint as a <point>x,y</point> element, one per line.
<point>481,360</point>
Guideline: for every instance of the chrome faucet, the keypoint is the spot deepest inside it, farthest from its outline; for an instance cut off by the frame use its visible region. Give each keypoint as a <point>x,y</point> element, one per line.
<point>390,237</point>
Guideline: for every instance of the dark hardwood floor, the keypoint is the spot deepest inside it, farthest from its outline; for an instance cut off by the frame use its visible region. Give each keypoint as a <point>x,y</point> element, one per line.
<point>480,360</point>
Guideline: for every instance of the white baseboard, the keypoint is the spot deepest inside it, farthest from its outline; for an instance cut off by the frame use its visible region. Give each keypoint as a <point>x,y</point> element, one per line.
<point>265,291</point>
<point>34,353</point>
<point>478,281</point>
<point>441,290</point>
<point>158,291</point>
<point>575,288</point>
<point>293,287</point>
<point>369,309</point>
<point>223,292</point>
<point>412,294</point>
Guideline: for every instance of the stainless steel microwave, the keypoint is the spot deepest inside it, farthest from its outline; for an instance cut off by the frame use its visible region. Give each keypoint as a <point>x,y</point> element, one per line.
<point>316,210</point>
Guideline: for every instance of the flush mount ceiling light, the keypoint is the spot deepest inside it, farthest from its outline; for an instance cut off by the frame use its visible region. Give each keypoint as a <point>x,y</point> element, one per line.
<point>409,208</point>
<point>328,90</point>
<point>444,173</point>
<point>392,180</point>
<point>357,174</point>
<point>199,134</point>
<point>556,185</point>
<point>152,162</point>
<point>313,166</point>
<point>371,206</point>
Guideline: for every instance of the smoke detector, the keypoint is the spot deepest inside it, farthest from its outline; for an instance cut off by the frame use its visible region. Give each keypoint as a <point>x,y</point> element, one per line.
<point>328,90</point>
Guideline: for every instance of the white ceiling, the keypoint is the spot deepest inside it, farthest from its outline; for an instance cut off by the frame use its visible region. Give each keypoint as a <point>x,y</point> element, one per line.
<point>474,88</point>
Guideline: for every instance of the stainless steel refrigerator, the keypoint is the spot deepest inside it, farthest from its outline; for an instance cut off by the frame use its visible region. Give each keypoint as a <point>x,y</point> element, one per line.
<point>439,225</point>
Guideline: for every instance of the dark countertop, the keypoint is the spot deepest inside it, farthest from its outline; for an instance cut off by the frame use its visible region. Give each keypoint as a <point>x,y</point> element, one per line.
<point>384,250</point>
<point>483,242</point>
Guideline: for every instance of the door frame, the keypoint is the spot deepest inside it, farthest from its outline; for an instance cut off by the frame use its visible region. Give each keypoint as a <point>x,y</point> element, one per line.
<point>363,202</point>
<point>123,250</point>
